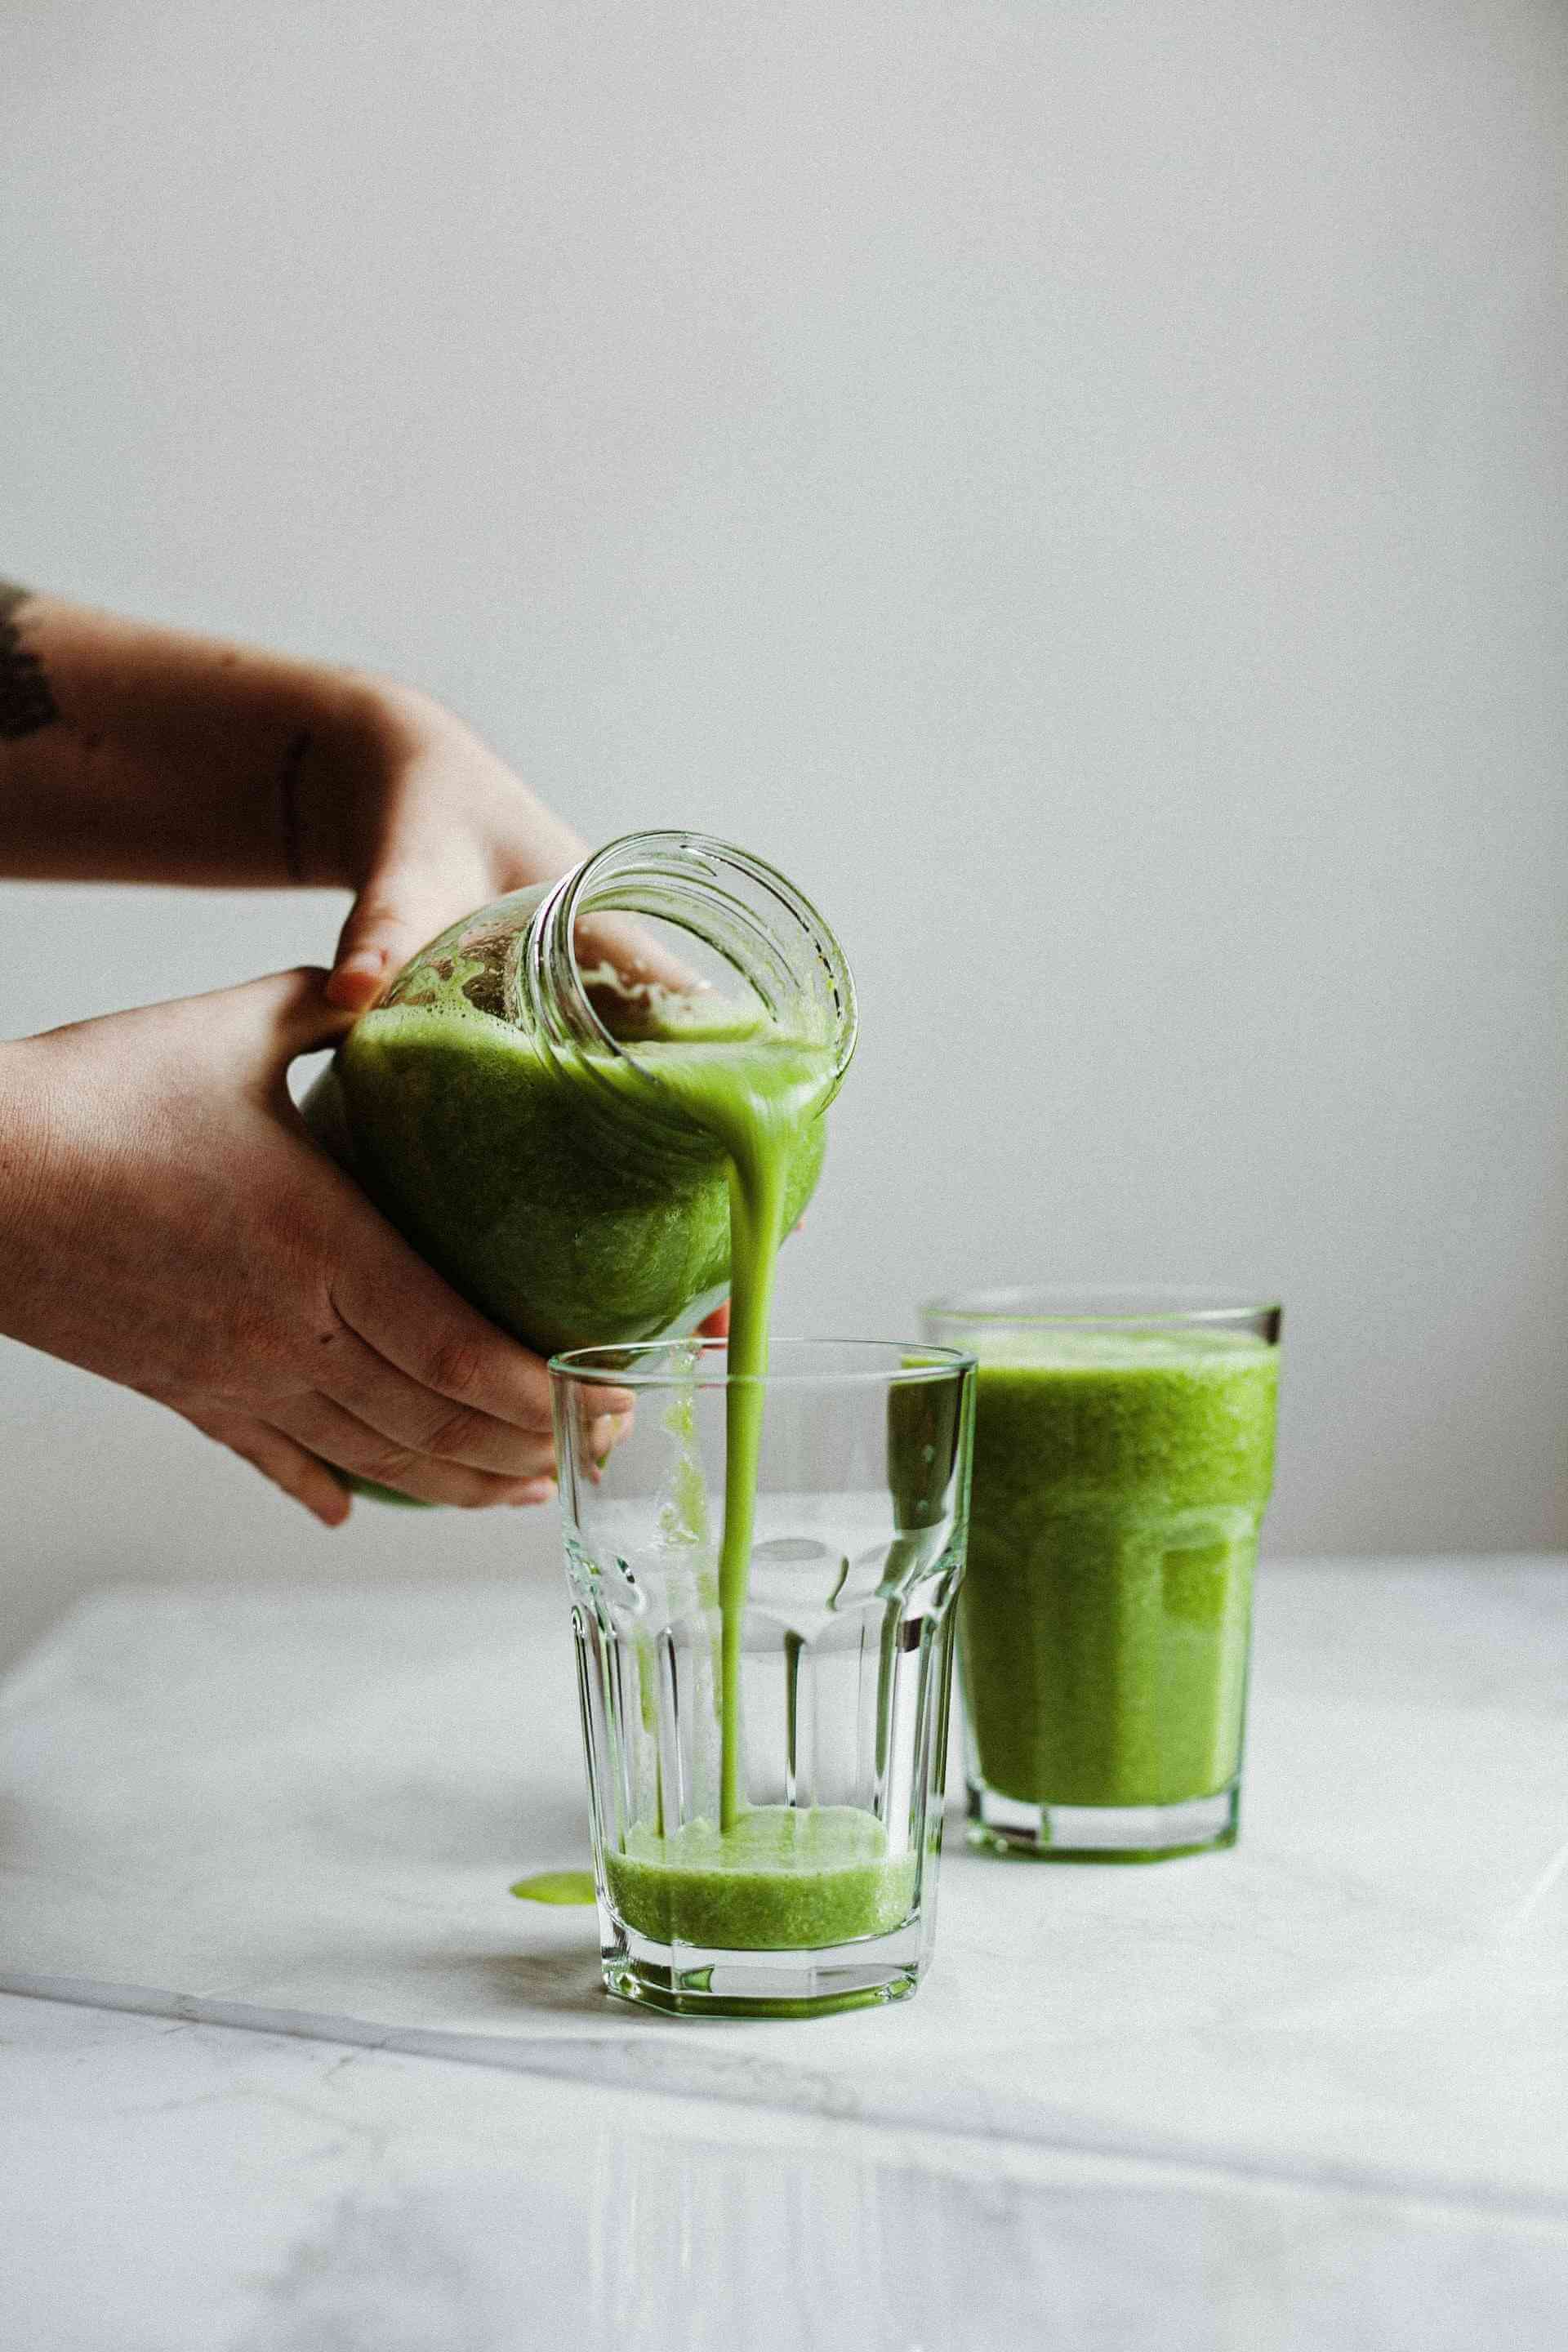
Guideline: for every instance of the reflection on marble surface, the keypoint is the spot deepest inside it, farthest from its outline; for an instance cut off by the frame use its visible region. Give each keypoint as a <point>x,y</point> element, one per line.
<point>308,1808</point>
<point>190,2189</point>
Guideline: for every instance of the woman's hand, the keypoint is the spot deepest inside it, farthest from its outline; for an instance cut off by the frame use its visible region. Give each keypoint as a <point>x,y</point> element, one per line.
<point>166,1220</point>
<point>432,825</point>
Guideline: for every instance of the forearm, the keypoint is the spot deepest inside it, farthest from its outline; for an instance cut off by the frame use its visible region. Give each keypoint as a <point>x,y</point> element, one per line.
<point>137,754</point>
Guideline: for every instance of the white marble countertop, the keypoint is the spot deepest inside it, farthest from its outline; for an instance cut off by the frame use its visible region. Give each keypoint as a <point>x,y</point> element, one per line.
<point>253,1927</point>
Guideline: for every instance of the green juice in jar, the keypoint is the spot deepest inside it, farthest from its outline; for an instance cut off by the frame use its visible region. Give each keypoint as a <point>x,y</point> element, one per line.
<point>549,1100</point>
<point>567,1226</point>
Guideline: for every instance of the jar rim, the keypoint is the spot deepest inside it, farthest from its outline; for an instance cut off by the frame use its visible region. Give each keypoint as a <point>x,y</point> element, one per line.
<point>660,856</point>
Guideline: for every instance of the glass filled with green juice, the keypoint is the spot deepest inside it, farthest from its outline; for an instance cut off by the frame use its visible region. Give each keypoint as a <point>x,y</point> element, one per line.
<point>1123,1456</point>
<point>762,1576</point>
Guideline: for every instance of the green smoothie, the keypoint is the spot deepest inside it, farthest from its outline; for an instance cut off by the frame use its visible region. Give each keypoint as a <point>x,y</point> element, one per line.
<point>778,1879</point>
<point>1119,1481</point>
<point>567,1223</point>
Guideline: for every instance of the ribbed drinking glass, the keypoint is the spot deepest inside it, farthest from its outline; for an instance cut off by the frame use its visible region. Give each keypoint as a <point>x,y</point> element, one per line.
<point>765,1759</point>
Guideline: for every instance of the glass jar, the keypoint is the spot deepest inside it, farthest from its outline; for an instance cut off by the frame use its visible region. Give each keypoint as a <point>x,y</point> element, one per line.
<point>511,1103</point>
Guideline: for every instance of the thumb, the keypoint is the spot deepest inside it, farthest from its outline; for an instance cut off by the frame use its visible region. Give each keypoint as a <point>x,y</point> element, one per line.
<point>393,918</point>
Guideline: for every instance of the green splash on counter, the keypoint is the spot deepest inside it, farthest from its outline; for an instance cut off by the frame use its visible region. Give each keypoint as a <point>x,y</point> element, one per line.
<point>556,1886</point>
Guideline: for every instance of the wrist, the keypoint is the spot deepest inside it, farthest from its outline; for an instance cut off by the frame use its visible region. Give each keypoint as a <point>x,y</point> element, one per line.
<point>395,724</point>
<point>357,747</point>
<point>352,738</point>
<point>24,1152</point>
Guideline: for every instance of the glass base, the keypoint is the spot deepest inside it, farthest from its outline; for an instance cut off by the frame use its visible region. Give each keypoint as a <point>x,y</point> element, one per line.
<point>686,1981</point>
<point>1005,1825</point>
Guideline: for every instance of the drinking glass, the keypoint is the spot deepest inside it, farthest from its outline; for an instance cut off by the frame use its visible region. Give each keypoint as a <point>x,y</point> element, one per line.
<point>764,1673</point>
<point>1124,1455</point>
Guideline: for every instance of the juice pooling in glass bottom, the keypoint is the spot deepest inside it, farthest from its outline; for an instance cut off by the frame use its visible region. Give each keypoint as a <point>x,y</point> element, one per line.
<point>1122,1461</point>
<point>779,1879</point>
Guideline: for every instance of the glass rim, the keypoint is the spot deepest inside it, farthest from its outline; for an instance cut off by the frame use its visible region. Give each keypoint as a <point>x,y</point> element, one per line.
<point>1109,1303</point>
<point>606,1366</point>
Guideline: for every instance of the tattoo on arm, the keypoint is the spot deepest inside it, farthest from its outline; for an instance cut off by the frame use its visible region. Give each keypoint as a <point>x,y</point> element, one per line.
<point>294,759</point>
<point>27,702</point>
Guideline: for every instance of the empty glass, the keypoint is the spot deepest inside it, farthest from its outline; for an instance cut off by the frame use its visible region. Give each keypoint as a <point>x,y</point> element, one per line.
<point>766,1750</point>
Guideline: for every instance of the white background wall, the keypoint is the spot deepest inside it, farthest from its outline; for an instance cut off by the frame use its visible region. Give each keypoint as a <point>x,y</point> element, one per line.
<point>1080,486</point>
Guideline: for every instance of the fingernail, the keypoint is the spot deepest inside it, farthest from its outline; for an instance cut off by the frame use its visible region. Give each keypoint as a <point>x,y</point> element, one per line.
<point>358,981</point>
<point>536,1490</point>
<point>358,974</point>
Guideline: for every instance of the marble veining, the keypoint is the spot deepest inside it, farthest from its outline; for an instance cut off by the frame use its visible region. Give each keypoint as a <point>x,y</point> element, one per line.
<point>301,1813</point>
<point>198,2188</point>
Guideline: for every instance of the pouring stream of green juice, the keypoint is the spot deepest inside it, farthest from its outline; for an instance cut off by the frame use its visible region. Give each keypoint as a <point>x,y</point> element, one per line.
<point>758,1102</point>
